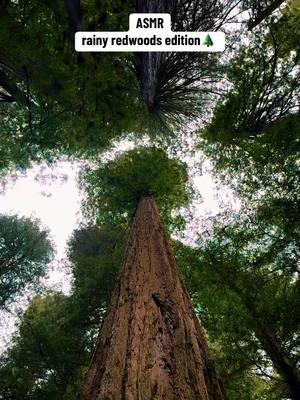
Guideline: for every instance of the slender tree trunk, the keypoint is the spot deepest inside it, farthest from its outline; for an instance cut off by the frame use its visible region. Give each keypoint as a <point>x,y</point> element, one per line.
<point>150,346</point>
<point>285,367</point>
<point>74,16</point>
<point>149,64</point>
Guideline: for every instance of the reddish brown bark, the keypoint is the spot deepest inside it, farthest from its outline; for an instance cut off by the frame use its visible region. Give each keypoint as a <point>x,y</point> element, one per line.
<point>150,345</point>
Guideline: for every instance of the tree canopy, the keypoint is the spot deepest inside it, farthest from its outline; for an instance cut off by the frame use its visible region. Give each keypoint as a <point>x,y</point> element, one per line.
<point>25,250</point>
<point>252,262</point>
<point>53,100</point>
<point>114,189</point>
<point>48,355</point>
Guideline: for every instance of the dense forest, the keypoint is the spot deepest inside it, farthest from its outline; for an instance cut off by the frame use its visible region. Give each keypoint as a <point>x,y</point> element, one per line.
<point>156,310</point>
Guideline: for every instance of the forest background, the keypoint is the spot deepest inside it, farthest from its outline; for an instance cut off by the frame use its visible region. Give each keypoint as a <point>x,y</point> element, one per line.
<point>113,119</point>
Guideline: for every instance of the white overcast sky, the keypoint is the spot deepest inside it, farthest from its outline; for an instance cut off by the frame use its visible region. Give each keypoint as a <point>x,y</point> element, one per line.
<point>50,194</point>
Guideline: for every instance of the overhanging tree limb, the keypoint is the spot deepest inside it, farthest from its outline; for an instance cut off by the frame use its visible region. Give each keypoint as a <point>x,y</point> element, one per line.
<point>264,14</point>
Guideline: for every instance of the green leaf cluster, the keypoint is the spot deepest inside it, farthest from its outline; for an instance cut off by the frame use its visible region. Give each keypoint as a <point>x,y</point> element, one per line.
<point>113,190</point>
<point>248,300</point>
<point>46,361</point>
<point>25,251</point>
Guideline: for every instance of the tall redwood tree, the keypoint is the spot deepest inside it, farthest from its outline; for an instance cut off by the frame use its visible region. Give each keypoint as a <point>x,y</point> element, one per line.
<point>150,345</point>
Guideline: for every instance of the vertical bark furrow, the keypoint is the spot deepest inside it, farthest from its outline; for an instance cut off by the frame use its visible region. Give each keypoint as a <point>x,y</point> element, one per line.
<point>151,346</point>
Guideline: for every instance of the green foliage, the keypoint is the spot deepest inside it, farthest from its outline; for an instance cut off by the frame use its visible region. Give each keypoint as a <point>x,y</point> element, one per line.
<point>54,100</point>
<point>113,190</point>
<point>248,272</point>
<point>96,255</point>
<point>265,87</point>
<point>289,26</point>
<point>24,252</point>
<point>265,173</point>
<point>269,163</point>
<point>49,354</point>
<point>248,301</point>
<point>253,140</point>
<point>265,84</point>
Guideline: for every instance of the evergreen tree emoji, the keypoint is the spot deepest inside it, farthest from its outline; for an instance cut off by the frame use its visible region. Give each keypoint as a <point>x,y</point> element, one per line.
<point>208,41</point>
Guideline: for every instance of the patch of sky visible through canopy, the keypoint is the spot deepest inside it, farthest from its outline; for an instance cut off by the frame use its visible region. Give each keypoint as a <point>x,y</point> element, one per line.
<point>52,194</point>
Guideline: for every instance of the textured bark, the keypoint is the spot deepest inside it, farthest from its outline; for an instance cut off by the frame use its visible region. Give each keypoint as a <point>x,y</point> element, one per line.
<point>151,345</point>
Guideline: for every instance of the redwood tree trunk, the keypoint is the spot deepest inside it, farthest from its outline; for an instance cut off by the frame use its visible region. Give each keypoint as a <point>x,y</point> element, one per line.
<point>150,346</point>
<point>149,64</point>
